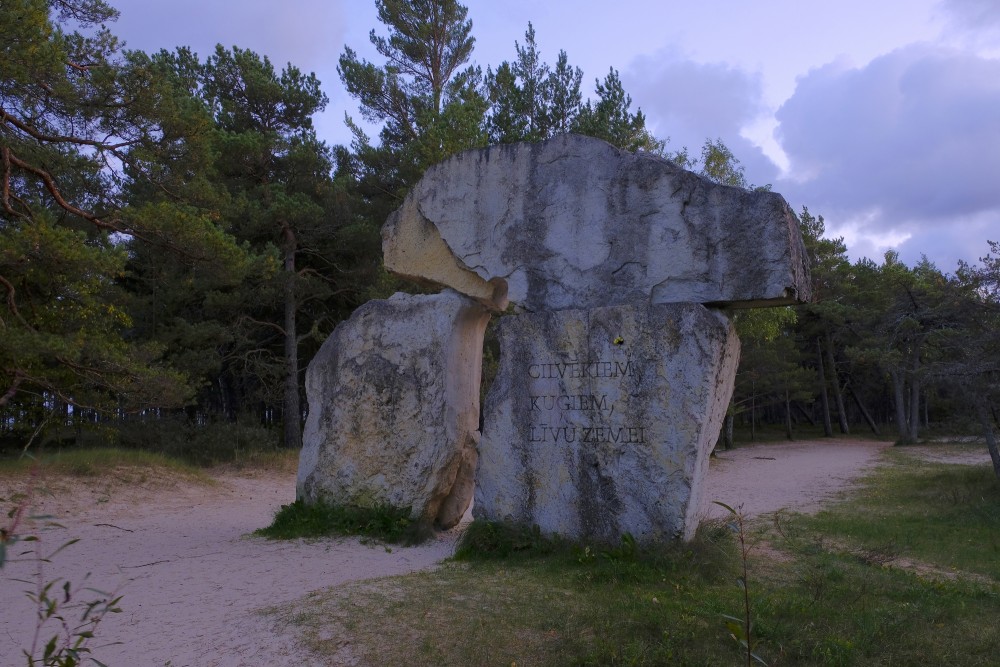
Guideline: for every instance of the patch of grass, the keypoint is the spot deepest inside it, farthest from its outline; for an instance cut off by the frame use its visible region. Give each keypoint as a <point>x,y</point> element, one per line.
<point>553,604</point>
<point>279,460</point>
<point>243,442</point>
<point>827,590</point>
<point>321,519</point>
<point>947,516</point>
<point>487,540</point>
<point>206,445</point>
<point>93,462</point>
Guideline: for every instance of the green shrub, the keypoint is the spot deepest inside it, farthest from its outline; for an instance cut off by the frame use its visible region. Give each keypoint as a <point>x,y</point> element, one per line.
<point>199,444</point>
<point>488,540</point>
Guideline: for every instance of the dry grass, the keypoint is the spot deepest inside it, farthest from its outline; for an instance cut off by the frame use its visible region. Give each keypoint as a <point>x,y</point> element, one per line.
<point>885,577</point>
<point>459,615</point>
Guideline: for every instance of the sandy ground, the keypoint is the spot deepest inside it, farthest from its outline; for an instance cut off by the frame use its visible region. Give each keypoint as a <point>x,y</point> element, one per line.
<point>193,582</point>
<point>798,476</point>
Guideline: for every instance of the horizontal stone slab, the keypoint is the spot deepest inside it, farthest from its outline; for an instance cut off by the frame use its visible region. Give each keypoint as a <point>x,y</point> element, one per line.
<point>573,222</point>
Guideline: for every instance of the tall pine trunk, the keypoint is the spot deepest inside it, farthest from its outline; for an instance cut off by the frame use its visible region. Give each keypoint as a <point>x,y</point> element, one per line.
<point>727,425</point>
<point>899,393</point>
<point>914,431</point>
<point>838,396</point>
<point>292,413</point>
<point>989,433</point>
<point>804,413</point>
<point>864,411</point>
<point>824,398</point>
<point>788,417</point>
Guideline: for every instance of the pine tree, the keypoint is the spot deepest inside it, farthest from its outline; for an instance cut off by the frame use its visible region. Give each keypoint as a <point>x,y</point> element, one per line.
<point>529,101</point>
<point>79,123</point>
<point>427,101</point>
<point>268,182</point>
<point>505,123</point>
<point>610,118</point>
<point>973,357</point>
<point>564,95</point>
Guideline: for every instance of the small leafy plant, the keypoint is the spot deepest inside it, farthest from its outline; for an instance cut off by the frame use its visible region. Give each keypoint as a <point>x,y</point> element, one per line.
<point>76,611</point>
<point>741,628</point>
<point>627,549</point>
<point>57,602</point>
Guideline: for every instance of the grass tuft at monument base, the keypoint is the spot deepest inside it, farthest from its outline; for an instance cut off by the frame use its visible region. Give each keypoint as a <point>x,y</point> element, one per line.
<point>903,572</point>
<point>382,522</point>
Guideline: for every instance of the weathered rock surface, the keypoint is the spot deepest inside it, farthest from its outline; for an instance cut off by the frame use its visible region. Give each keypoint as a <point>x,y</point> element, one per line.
<point>418,252</point>
<point>394,407</point>
<point>574,223</point>
<point>601,422</point>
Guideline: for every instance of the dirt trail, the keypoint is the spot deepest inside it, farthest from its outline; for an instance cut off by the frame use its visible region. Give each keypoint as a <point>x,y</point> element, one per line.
<point>798,476</point>
<point>190,576</point>
<point>193,581</point>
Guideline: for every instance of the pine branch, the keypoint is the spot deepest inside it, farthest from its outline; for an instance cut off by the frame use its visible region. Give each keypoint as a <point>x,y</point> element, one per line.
<point>12,389</point>
<point>55,138</point>
<point>53,189</point>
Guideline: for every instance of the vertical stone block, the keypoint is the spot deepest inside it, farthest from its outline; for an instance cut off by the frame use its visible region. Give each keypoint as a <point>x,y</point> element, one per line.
<point>394,407</point>
<point>601,422</point>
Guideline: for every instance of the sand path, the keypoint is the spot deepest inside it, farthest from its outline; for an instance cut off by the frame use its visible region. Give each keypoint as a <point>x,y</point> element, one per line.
<point>798,476</point>
<point>192,579</point>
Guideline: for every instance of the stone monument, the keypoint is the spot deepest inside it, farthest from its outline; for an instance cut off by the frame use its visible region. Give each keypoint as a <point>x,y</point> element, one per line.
<point>616,365</point>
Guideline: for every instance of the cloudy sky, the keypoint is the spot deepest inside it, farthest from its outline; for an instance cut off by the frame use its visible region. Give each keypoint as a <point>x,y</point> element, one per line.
<point>881,115</point>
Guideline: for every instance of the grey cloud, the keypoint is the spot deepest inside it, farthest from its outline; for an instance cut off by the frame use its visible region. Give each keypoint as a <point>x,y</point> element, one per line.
<point>694,99</point>
<point>913,134</point>
<point>307,34</point>
<point>691,102</point>
<point>973,14</point>
<point>946,243</point>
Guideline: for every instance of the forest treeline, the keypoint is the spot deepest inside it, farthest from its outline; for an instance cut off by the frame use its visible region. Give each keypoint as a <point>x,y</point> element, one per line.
<point>177,242</point>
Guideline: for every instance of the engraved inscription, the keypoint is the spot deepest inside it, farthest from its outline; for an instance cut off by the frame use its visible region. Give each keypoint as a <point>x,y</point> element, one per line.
<point>577,369</point>
<point>581,402</point>
<point>570,418</point>
<point>613,434</point>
